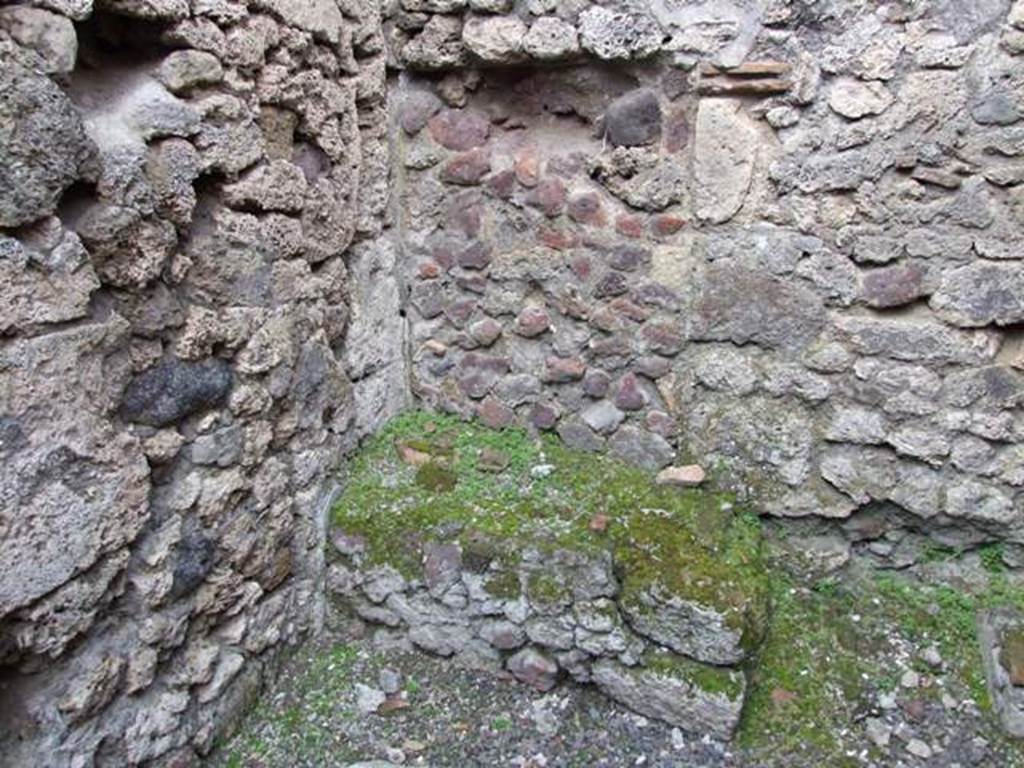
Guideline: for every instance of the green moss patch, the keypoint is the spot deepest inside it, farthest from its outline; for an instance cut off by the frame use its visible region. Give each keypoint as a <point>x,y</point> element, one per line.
<point>706,677</point>
<point>828,655</point>
<point>691,543</point>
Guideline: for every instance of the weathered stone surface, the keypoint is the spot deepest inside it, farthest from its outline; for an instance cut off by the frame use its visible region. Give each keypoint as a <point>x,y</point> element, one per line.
<point>673,694</point>
<point>73,487</point>
<point>999,636</point>
<point>460,129</point>
<point>854,99</point>
<point>51,36</point>
<point>687,626</point>
<point>916,340</point>
<point>640,447</point>
<point>534,669</point>
<point>417,108</point>
<point>744,305</point>
<point>725,149</point>
<point>689,476</point>
<point>894,286</point>
<point>495,39</point>
<point>438,46</point>
<point>981,294</point>
<point>321,17</point>
<point>634,119</point>
<point>41,287</point>
<point>174,390</point>
<point>45,148</point>
<point>551,39</point>
<point>279,186</point>
<point>183,70</point>
<point>612,35</point>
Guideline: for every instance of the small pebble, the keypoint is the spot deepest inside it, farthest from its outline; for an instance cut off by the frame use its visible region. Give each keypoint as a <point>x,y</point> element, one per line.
<point>931,657</point>
<point>879,732</point>
<point>887,700</point>
<point>541,470</point>
<point>678,742</point>
<point>368,699</point>
<point>910,679</point>
<point>389,680</point>
<point>918,748</point>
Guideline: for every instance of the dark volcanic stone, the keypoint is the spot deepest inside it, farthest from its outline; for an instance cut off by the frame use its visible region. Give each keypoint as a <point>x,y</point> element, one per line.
<point>634,119</point>
<point>174,389</point>
<point>195,561</point>
<point>612,284</point>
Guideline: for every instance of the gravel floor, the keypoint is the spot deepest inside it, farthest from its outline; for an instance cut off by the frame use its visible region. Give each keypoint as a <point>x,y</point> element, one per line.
<point>445,716</point>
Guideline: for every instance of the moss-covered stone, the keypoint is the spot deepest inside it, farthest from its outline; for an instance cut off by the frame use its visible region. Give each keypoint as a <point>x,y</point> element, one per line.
<point>1011,655</point>
<point>691,545</point>
<point>436,478</point>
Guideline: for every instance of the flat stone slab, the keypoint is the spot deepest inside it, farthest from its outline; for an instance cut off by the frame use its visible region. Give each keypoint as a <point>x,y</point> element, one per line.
<point>689,695</point>
<point>1001,635</point>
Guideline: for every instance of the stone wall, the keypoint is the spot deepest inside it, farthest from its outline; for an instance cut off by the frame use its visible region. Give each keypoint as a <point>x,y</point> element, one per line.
<point>192,198</point>
<point>779,239</point>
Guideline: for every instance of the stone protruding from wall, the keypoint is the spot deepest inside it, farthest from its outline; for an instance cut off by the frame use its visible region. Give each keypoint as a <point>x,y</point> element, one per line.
<point>779,239</point>
<point>180,185</point>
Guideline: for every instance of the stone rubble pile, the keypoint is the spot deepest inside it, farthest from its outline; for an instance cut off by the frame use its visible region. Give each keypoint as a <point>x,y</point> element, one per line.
<point>555,615</point>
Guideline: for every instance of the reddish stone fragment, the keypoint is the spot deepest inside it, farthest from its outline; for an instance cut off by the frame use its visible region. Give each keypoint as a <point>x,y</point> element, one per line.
<point>689,476</point>
<point>580,267</point>
<point>532,321</point>
<point>666,224</point>
<point>476,255</point>
<point>586,208</point>
<point>676,130</point>
<point>661,423</point>
<point>527,167</point>
<point>628,308</point>
<point>605,319</point>
<point>467,169</point>
<point>630,395</point>
<point>459,129</point>
<point>663,338</point>
<point>557,238</point>
<point>630,226</point>
<point>495,414</point>
<point>501,184</point>
<point>472,283</point>
<point>429,270</point>
<point>485,332</point>
<point>548,196</point>
<point>464,214</point>
<point>558,370</point>
<point>459,312</point>
<point>894,286</point>
<point>543,416</point>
